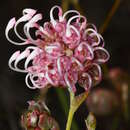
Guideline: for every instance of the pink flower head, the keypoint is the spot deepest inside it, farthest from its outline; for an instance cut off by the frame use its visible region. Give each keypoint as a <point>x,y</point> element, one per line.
<point>64,51</point>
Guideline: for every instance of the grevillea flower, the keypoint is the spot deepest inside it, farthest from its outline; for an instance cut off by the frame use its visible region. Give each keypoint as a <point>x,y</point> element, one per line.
<point>62,52</point>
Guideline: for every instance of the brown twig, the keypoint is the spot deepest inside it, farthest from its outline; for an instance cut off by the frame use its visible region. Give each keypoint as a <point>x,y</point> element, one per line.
<point>104,26</point>
<point>65,5</point>
<point>109,16</point>
<point>77,6</point>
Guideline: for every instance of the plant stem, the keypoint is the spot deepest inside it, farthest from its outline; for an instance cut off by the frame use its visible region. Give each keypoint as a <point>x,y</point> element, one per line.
<point>109,16</point>
<point>63,101</point>
<point>70,118</point>
<point>71,112</point>
<point>75,102</point>
<point>65,5</point>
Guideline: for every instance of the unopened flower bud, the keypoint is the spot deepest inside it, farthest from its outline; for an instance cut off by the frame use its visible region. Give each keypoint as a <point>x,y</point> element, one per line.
<point>37,117</point>
<point>91,122</point>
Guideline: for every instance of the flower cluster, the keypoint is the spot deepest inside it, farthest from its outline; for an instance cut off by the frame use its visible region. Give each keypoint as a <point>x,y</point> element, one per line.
<point>64,51</point>
<point>37,117</point>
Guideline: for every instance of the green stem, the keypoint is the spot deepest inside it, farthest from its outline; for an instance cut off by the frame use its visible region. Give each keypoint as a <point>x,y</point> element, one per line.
<point>71,112</point>
<point>70,118</point>
<point>75,102</point>
<point>63,100</point>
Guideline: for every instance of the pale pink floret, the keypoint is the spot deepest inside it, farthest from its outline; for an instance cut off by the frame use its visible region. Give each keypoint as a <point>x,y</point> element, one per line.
<point>64,52</point>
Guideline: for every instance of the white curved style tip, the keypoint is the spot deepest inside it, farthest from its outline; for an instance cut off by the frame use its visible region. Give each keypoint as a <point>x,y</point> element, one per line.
<point>10,25</point>
<point>27,81</point>
<point>70,11</point>
<point>22,19</point>
<point>34,82</point>
<point>104,51</point>
<point>22,56</point>
<point>13,58</point>
<point>94,32</point>
<point>86,75</point>
<point>13,62</point>
<point>53,21</point>
<point>30,57</point>
<point>29,11</point>
<point>68,31</point>
<point>36,18</point>
<point>99,70</point>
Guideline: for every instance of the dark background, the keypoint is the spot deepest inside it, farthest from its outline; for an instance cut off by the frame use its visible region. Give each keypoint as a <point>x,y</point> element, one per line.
<point>13,92</point>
